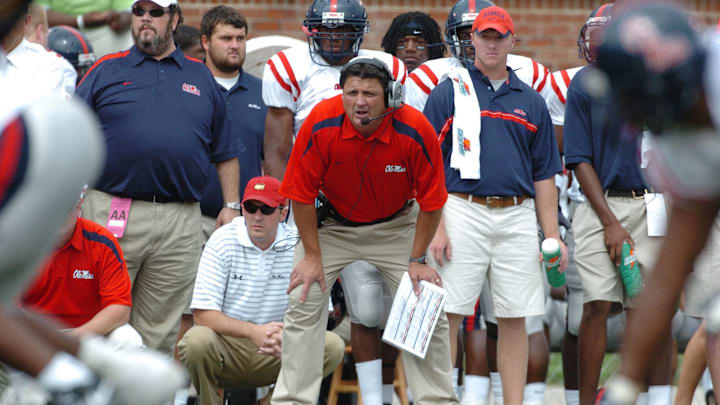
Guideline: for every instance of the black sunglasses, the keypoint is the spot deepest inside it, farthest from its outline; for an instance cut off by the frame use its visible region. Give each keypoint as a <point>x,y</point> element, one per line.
<point>265,209</point>
<point>154,12</point>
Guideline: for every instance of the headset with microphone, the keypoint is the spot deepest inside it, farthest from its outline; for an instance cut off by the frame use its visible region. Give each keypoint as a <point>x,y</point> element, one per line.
<point>394,93</point>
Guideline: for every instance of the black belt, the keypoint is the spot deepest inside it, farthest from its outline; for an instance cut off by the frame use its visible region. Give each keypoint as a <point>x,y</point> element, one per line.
<point>637,194</point>
<point>155,199</point>
<point>344,221</point>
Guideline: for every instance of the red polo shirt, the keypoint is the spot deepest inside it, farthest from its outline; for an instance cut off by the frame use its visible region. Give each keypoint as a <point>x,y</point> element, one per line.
<point>366,179</point>
<point>84,276</point>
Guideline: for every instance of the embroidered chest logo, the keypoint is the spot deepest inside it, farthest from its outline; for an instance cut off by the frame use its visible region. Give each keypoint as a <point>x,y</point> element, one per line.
<point>189,88</point>
<point>83,274</point>
<point>520,112</point>
<point>395,169</point>
<point>254,106</point>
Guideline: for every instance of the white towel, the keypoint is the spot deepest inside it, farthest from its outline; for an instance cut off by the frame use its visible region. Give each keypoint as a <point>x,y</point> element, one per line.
<point>465,154</point>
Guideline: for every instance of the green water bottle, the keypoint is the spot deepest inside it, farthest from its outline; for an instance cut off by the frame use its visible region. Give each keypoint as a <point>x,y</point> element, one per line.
<point>630,271</point>
<point>551,260</point>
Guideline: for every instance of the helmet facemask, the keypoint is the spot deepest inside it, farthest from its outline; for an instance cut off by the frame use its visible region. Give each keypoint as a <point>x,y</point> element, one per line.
<point>590,37</point>
<point>330,46</point>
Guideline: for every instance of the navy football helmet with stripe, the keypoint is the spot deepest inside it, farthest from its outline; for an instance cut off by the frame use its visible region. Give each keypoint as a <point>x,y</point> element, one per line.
<point>461,16</point>
<point>599,17</point>
<point>655,63</point>
<point>335,29</point>
<point>72,45</point>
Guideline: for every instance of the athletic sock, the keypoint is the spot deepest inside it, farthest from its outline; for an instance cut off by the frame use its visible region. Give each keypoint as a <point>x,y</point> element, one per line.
<point>660,395</point>
<point>456,388</point>
<point>387,393</point>
<point>534,394</point>
<point>572,397</point>
<point>496,383</point>
<point>475,390</point>
<point>369,375</point>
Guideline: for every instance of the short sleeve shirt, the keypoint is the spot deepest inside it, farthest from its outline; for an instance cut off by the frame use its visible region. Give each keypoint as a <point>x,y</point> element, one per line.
<point>517,141</point>
<point>366,179</point>
<point>83,277</point>
<point>164,122</point>
<point>593,134</point>
<point>246,111</point>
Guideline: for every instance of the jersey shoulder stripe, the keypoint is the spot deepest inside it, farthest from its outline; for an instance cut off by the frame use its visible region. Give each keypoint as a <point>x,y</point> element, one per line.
<point>104,59</point>
<point>289,70</point>
<point>104,240</point>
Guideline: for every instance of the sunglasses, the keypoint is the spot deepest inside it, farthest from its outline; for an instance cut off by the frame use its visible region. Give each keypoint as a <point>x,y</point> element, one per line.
<point>265,209</point>
<point>154,12</point>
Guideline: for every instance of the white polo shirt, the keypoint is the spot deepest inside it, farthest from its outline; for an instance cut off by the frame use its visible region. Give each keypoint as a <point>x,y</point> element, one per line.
<point>242,281</point>
<point>41,71</point>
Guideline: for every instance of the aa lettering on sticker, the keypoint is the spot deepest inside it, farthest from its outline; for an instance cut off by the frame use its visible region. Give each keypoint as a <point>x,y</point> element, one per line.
<point>118,216</point>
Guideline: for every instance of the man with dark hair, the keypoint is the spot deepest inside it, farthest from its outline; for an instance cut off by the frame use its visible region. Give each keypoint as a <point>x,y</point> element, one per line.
<point>165,122</point>
<point>414,37</point>
<point>601,149</point>
<point>224,31</point>
<point>188,39</point>
<point>345,149</point>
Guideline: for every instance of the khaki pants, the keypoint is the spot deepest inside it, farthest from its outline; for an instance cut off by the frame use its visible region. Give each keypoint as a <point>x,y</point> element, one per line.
<point>216,361</point>
<point>162,249</point>
<point>386,246</point>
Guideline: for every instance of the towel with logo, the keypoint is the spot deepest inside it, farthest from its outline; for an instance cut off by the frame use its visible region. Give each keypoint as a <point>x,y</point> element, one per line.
<point>465,155</point>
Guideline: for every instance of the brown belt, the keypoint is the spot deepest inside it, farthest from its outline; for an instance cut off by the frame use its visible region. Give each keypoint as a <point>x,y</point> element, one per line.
<point>493,201</point>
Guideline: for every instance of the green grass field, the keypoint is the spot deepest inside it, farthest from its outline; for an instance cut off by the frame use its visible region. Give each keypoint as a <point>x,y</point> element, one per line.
<point>611,364</point>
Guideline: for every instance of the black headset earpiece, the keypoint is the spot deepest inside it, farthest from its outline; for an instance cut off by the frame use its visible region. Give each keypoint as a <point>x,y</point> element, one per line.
<point>394,92</point>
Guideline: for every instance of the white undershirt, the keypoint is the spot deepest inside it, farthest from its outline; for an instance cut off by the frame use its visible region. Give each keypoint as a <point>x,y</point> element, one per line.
<point>228,83</point>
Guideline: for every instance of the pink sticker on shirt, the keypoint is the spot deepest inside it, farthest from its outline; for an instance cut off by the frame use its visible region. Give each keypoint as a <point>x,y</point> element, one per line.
<point>118,217</point>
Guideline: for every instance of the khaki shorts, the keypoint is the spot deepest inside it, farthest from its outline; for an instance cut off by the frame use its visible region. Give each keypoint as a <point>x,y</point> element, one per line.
<point>704,282</point>
<point>500,244</point>
<point>600,278</point>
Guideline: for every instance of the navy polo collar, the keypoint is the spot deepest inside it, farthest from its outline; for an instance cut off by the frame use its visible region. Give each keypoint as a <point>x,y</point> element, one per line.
<point>136,56</point>
<point>242,82</point>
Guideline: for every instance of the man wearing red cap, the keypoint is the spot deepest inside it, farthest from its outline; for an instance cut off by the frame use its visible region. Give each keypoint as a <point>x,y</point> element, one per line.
<point>240,299</point>
<point>500,159</point>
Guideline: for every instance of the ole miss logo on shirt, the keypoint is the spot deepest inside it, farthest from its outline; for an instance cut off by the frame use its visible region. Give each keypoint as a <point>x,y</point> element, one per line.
<point>189,88</point>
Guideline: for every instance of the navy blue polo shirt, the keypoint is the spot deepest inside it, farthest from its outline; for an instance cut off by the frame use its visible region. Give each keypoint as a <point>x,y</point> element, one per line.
<point>164,124</point>
<point>247,113</point>
<point>594,134</point>
<point>517,141</point>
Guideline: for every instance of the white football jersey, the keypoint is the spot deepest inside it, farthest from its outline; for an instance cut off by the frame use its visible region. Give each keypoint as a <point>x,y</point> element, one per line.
<point>431,73</point>
<point>555,99</point>
<point>292,80</point>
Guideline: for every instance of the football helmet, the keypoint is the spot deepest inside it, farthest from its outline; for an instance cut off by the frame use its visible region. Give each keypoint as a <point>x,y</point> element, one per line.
<point>655,64</point>
<point>72,45</point>
<point>462,15</point>
<point>328,45</point>
<point>599,17</point>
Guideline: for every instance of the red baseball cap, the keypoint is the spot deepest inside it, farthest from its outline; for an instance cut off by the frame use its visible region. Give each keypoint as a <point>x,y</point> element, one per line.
<point>265,189</point>
<point>495,18</point>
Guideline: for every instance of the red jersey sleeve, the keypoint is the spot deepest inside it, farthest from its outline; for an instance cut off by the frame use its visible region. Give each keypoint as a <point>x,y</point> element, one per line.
<point>308,159</point>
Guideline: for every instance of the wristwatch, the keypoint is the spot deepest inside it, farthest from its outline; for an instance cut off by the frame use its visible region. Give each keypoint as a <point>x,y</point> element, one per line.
<point>233,204</point>
<point>421,260</point>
